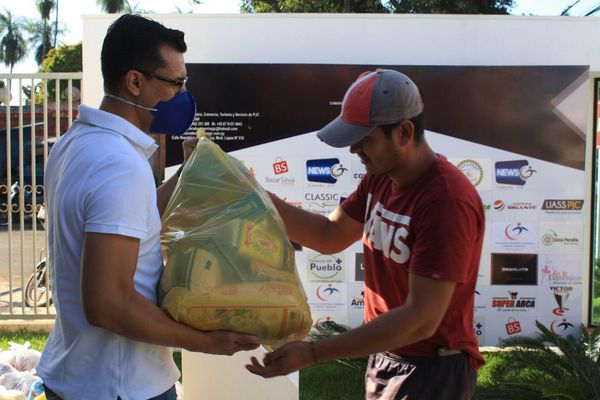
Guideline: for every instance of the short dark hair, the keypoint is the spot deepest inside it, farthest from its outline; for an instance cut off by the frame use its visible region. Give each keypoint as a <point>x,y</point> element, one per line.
<point>133,42</point>
<point>418,122</point>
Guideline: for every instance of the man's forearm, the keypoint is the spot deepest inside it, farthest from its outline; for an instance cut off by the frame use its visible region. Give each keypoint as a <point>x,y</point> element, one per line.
<point>137,318</point>
<point>395,329</point>
<point>307,228</point>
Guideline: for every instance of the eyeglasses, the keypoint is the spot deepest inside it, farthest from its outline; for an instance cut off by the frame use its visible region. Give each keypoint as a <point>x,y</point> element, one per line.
<point>180,83</point>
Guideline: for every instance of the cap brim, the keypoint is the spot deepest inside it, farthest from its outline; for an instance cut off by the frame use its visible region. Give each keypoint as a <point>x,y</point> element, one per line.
<point>339,133</point>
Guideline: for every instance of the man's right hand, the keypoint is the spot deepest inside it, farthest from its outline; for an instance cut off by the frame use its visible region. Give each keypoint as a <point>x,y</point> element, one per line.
<point>224,342</point>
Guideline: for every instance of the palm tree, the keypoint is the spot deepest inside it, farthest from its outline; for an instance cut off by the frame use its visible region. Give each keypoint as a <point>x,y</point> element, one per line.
<point>547,367</point>
<point>112,6</point>
<point>13,47</point>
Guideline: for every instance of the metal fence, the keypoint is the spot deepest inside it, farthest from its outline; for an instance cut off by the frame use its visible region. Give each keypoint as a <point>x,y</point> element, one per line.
<point>35,110</point>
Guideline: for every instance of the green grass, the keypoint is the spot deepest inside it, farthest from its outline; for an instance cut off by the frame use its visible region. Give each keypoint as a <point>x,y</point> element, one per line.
<point>324,381</point>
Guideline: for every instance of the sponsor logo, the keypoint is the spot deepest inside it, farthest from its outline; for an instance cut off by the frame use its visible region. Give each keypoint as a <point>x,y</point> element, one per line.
<point>551,237</point>
<point>513,302</point>
<point>561,295</point>
<point>515,231</point>
<point>512,326</point>
<point>559,326</point>
<point>513,172</point>
<point>333,197</point>
<point>562,206</point>
<point>359,267</point>
<point>472,170</point>
<point>324,292</point>
<point>478,328</point>
<point>551,276</point>
<point>500,205</point>
<point>280,166</point>
<point>326,267</point>
<point>358,303</point>
<point>514,269</point>
<point>325,170</point>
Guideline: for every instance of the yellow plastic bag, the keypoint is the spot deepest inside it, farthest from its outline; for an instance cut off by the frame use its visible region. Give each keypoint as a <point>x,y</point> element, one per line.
<point>229,264</point>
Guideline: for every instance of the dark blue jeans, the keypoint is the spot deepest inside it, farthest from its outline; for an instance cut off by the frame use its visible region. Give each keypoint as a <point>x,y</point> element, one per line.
<point>170,394</point>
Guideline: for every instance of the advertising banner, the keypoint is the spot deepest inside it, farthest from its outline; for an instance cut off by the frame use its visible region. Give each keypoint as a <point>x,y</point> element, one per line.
<point>517,133</point>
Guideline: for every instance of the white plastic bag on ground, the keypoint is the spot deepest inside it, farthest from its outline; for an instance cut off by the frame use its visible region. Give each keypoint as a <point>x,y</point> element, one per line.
<point>6,394</point>
<point>19,380</point>
<point>21,357</point>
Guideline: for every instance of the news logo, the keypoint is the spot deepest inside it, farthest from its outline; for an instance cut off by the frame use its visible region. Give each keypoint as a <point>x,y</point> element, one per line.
<point>513,172</point>
<point>325,170</point>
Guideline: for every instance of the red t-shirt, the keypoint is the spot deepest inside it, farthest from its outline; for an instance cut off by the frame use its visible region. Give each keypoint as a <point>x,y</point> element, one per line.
<point>433,228</point>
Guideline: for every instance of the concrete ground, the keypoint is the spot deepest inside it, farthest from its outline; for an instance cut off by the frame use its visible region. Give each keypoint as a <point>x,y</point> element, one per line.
<point>19,253</point>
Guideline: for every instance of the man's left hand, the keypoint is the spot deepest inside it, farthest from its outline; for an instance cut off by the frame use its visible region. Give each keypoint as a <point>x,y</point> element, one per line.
<point>289,358</point>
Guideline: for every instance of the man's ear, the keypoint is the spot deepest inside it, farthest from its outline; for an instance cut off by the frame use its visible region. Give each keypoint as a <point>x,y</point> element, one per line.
<point>404,132</point>
<point>132,82</point>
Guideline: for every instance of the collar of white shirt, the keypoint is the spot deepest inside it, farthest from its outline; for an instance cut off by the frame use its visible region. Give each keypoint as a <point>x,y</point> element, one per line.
<point>113,122</point>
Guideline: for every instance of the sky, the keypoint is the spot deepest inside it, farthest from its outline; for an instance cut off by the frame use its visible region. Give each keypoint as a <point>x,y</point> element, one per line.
<point>70,12</point>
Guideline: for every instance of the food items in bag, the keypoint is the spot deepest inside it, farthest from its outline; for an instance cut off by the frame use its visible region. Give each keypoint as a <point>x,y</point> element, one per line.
<point>229,264</point>
<point>264,309</point>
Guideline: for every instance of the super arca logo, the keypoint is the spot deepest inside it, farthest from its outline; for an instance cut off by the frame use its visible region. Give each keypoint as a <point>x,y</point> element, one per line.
<point>386,231</point>
<point>324,170</point>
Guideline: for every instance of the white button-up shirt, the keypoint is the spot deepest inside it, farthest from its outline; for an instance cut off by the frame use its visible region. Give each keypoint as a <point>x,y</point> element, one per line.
<point>98,179</point>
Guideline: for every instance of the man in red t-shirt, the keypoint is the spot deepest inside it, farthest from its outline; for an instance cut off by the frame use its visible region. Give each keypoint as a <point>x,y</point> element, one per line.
<point>422,225</point>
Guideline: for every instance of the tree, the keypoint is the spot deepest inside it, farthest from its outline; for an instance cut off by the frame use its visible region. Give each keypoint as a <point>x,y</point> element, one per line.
<point>112,6</point>
<point>13,47</point>
<point>547,366</point>
<point>377,6</point>
<point>61,59</point>
<point>312,6</point>
<point>42,34</point>
<point>451,6</point>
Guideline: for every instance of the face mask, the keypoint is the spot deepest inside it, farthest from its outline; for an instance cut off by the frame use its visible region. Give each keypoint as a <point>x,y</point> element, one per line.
<point>171,117</point>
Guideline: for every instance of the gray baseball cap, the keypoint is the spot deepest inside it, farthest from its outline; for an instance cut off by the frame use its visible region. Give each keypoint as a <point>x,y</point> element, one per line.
<point>376,98</point>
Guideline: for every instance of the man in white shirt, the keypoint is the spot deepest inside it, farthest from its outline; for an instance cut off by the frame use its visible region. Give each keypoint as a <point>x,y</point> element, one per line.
<point>111,340</point>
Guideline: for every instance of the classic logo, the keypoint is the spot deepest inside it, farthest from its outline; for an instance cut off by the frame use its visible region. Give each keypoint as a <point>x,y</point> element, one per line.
<point>326,267</point>
<point>386,231</point>
<point>513,172</point>
<point>325,170</point>
<point>324,292</point>
<point>513,303</point>
<point>551,237</point>
<point>280,166</point>
<point>332,197</point>
<point>557,205</point>
<point>472,170</point>
<point>513,326</point>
